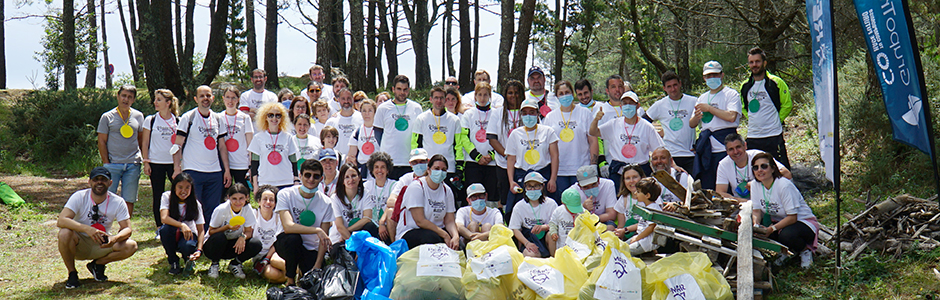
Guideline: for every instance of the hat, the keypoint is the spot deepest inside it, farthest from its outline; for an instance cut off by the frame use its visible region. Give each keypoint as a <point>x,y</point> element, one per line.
<point>572,200</point>
<point>531,103</point>
<point>711,68</point>
<point>100,171</point>
<point>631,95</point>
<point>587,175</point>
<point>474,189</point>
<point>534,176</point>
<point>327,153</point>
<point>535,69</point>
<point>418,154</point>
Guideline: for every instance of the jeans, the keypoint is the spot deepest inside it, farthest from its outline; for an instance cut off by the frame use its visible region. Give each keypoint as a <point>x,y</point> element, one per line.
<point>561,184</point>
<point>173,241</point>
<point>209,190</point>
<point>128,175</point>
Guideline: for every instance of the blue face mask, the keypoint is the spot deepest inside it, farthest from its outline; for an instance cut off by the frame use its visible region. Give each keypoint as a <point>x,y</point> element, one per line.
<point>308,191</point>
<point>591,192</point>
<point>533,195</point>
<point>589,105</point>
<point>629,110</point>
<point>530,121</point>
<point>566,100</point>
<point>478,205</point>
<point>438,176</point>
<point>419,169</point>
<point>713,83</point>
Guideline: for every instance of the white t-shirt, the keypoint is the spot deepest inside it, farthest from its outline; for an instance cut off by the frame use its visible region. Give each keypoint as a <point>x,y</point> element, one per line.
<point>625,206</point>
<point>784,199</point>
<point>766,121</point>
<point>379,196</point>
<point>403,181</point>
<point>606,195</point>
<point>611,112</point>
<point>308,148</point>
<point>316,127</point>
<point>329,188</point>
<point>565,222</point>
<point>347,127</point>
<point>730,174</point>
<point>263,144</point>
<point>436,204</point>
<point>397,143</point>
<point>160,138</point>
<point>267,230</point>
<point>200,219</point>
<point>496,126</point>
<point>496,100</point>
<point>647,242</point>
<point>617,133</point>
<point>361,137</point>
<point>254,100</point>
<point>674,115</point>
<point>347,213</point>
<point>491,216</point>
<point>475,121</point>
<point>726,99</point>
<point>427,124</point>
<point>526,216</point>
<point>110,210</point>
<point>549,97</point>
<point>576,151</point>
<point>665,195</point>
<point>196,156</point>
<point>237,126</point>
<point>223,213</point>
<point>289,199</point>
<point>521,141</point>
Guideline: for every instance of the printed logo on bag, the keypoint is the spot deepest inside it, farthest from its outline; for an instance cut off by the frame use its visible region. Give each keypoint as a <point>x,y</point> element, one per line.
<point>539,276</point>
<point>620,263</point>
<point>683,287</point>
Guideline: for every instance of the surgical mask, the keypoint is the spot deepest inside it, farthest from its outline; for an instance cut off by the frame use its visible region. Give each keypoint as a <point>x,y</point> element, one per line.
<point>306,190</point>
<point>713,83</point>
<point>591,192</point>
<point>438,176</point>
<point>419,169</point>
<point>629,110</point>
<point>530,121</point>
<point>589,105</point>
<point>566,100</point>
<point>533,194</point>
<point>478,205</point>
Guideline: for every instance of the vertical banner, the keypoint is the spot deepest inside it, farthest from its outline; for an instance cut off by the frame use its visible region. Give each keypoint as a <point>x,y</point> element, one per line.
<point>824,89</point>
<point>893,50</point>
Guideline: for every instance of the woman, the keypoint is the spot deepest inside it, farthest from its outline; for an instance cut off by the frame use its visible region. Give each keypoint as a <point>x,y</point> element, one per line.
<point>379,187</point>
<point>780,209</point>
<point>529,221</point>
<point>231,233</point>
<point>382,97</point>
<point>267,262</point>
<point>570,123</point>
<point>427,215</point>
<point>626,220</point>
<point>273,152</point>
<point>480,168</point>
<point>358,97</point>
<point>119,145</point>
<point>155,150</point>
<point>329,159</point>
<point>240,133</point>
<point>183,228</point>
<point>284,96</point>
<point>298,106</point>
<point>365,141</point>
<point>526,151</point>
<point>352,208</point>
<point>500,125</point>
<point>308,147</point>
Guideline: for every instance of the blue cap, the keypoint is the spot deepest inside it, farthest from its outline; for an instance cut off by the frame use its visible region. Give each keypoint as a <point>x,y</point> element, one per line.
<point>100,171</point>
<point>327,153</point>
<point>535,69</point>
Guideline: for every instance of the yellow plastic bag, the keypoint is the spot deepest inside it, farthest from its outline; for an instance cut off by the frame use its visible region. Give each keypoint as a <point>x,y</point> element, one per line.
<point>491,266</point>
<point>429,272</point>
<point>555,278</point>
<point>618,276</point>
<point>584,238</point>
<point>685,276</point>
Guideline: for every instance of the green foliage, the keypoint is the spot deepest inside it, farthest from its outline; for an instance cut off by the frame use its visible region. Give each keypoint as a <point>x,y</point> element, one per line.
<point>235,67</point>
<point>53,53</point>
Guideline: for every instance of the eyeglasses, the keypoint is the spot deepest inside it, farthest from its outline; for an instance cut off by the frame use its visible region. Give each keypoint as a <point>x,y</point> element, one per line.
<point>315,90</point>
<point>450,83</point>
<point>477,197</point>
<point>762,166</point>
<point>94,214</point>
<point>315,176</point>
<point>275,116</point>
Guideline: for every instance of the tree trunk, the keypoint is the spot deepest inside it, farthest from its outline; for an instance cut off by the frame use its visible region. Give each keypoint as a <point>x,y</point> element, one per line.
<point>250,35</point>
<point>448,32</point>
<point>466,56</point>
<point>68,42</point>
<point>559,40</point>
<point>338,34</point>
<point>371,38</point>
<point>507,18</point>
<point>622,61</point>
<point>356,66</point>
<point>522,40</point>
<point>420,23</point>
<point>135,35</point>
<point>378,63</point>
<point>178,29</point>
<point>657,62</point>
<point>127,42</point>
<point>215,50</point>
<point>324,58</point>
<point>91,65</point>
<point>476,35</point>
<point>156,33</point>
<point>270,45</point>
<point>682,48</point>
<point>104,50</point>
<point>189,48</point>
<point>3,49</point>
<point>389,37</point>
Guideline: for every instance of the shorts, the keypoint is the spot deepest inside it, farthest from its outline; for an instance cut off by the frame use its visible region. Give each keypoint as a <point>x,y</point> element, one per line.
<point>88,249</point>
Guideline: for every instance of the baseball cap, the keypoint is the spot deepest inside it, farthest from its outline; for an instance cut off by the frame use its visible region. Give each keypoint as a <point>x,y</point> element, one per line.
<point>631,95</point>
<point>327,153</point>
<point>100,171</point>
<point>474,189</point>
<point>534,176</point>
<point>531,103</point>
<point>587,175</point>
<point>418,154</point>
<point>572,200</point>
<point>535,69</point>
<point>711,67</point>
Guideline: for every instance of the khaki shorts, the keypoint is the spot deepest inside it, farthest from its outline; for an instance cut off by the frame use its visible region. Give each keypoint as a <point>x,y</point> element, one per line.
<point>88,249</point>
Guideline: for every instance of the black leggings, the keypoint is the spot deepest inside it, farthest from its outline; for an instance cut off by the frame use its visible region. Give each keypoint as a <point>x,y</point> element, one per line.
<point>290,247</point>
<point>217,247</point>
<point>475,173</point>
<point>159,173</point>
<point>796,237</point>
<point>239,177</point>
<point>420,236</point>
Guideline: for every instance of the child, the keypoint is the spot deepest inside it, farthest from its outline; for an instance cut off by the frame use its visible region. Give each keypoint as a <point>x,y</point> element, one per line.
<point>626,220</point>
<point>529,219</point>
<point>179,222</point>
<point>231,233</point>
<point>647,191</point>
<point>563,217</point>
<point>321,113</point>
<point>308,146</point>
<point>267,262</point>
<point>475,221</point>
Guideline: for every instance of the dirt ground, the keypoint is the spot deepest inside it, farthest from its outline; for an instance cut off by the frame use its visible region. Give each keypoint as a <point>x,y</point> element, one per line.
<point>52,193</point>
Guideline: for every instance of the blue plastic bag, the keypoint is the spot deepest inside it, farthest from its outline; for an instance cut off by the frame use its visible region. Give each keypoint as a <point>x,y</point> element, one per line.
<point>377,263</point>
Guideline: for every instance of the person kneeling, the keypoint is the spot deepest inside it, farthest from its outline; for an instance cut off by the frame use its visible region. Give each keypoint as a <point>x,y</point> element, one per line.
<point>474,221</point>
<point>306,216</point>
<point>183,228</point>
<point>427,213</point>
<point>231,233</point>
<point>529,219</point>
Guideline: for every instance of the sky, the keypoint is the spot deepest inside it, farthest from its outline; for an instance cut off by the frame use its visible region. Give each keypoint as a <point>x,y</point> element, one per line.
<point>24,70</point>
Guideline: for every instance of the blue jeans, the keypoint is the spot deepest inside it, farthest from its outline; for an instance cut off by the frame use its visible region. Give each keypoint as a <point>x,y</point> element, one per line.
<point>173,241</point>
<point>128,176</point>
<point>209,188</point>
<point>562,183</point>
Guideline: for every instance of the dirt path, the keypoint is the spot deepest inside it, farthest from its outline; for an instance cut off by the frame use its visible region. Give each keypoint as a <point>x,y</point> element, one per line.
<point>51,193</point>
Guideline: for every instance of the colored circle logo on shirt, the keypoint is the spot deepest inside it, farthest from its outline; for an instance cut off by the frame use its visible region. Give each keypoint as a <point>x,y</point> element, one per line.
<point>544,110</point>
<point>753,106</point>
<point>532,157</point>
<point>126,131</point>
<point>675,124</point>
<point>300,162</point>
<point>173,139</point>
<point>481,135</point>
<point>566,135</point>
<point>210,143</point>
<point>99,226</point>
<point>707,117</point>
<point>628,151</point>
<point>237,221</point>
<point>307,218</point>
<point>439,138</point>
<point>368,148</point>
<point>274,157</point>
<point>231,145</point>
<point>401,124</point>
<point>540,235</point>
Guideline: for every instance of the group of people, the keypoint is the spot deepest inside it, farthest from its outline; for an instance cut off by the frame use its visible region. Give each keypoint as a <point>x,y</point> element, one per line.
<point>331,162</point>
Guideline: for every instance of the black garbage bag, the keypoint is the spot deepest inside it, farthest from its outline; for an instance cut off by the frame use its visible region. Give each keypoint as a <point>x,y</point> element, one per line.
<point>289,293</point>
<point>311,281</point>
<point>338,281</point>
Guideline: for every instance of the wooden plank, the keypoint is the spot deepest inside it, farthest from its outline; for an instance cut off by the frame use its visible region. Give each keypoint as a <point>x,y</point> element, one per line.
<point>661,218</point>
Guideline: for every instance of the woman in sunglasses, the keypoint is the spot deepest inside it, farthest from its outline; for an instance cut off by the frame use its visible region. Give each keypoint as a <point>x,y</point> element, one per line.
<point>779,207</point>
<point>273,151</point>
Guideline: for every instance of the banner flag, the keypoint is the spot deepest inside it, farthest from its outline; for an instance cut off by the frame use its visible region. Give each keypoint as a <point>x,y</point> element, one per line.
<point>824,89</point>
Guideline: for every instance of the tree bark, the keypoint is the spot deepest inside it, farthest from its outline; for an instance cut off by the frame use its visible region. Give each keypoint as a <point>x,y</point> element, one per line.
<point>681,48</point>
<point>356,66</point>
<point>507,18</point>
<point>104,50</point>
<point>338,34</point>
<point>371,38</point>
<point>135,35</point>
<point>657,62</point>
<point>448,32</point>
<point>215,51</point>
<point>270,45</point>
<point>250,35</point>
<point>389,36</point>
<point>466,56</point>
<point>156,33</point>
<point>324,40</point>
<point>178,29</point>
<point>127,41</point>
<point>3,49</point>
<point>559,40</point>
<point>68,42</point>
<point>189,48</point>
<point>476,35</point>
<point>522,40</point>
<point>91,65</point>
<point>420,23</point>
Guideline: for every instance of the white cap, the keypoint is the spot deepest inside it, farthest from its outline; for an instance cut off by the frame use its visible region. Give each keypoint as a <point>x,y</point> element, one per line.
<point>418,154</point>
<point>532,103</point>
<point>534,176</point>
<point>474,189</point>
<point>711,68</point>
<point>631,95</point>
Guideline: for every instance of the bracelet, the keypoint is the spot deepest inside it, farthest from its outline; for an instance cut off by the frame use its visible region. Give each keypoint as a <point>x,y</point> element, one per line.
<point>199,250</point>
<point>774,227</point>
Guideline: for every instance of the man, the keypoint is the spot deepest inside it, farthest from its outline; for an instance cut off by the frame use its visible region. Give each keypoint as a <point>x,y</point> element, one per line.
<point>767,99</point>
<point>717,111</point>
<point>629,139</point>
<point>436,129</point>
<point>317,74</point>
<point>394,118</point>
<point>451,81</point>
<point>600,191</point>
<point>734,171</point>
<point>346,121</point>
<point>253,99</point>
<point>585,93</point>
<point>201,151</point>
<point>614,108</point>
<point>84,226</point>
<point>481,75</point>
<point>547,101</point>
<point>474,221</point>
<point>674,112</point>
<point>306,216</point>
<point>313,91</point>
<point>339,82</point>
<point>119,142</point>
<point>661,160</point>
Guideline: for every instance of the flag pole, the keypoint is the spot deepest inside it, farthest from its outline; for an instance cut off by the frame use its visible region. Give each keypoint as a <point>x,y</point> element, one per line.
<point>923,91</point>
<point>837,157</point>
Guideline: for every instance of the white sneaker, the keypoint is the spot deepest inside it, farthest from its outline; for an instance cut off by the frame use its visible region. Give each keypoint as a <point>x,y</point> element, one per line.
<point>214,270</point>
<point>806,259</point>
<point>781,260</point>
<point>236,270</point>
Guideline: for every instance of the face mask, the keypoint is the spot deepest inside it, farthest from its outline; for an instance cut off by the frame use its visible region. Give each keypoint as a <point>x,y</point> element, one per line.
<point>566,100</point>
<point>419,169</point>
<point>629,110</point>
<point>438,176</point>
<point>713,83</point>
<point>589,105</point>
<point>478,205</point>
<point>533,195</point>
<point>306,190</point>
<point>530,121</point>
<point>591,192</point>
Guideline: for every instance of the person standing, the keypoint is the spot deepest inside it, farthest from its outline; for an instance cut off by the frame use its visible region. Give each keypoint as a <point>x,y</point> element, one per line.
<point>479,164</point>
<point>251,100</point>
<point>468,99</point>
<point>717,111</point>
<point>273,150</point>
<point>630,139</point>
<point>347,121</point>
<point>119,142</point>
<point>157,138</point>
<point>526,151</point>
<point>674,112</point>
<point>571,123</point>
<point>240,133</point>
<point>317,75</point>
<point>546,101</point>
<point>501,123</point>
<point>394,119</point>
<point>767,104</point>
<point>436,129</point>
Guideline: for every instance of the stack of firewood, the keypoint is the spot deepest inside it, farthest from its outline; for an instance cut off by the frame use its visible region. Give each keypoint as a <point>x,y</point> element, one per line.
<point>894,226</point>
<point>704,206</point>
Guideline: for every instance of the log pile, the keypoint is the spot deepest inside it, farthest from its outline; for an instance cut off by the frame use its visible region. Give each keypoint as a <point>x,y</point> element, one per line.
<point>894,226</point>
<point>705,206</point>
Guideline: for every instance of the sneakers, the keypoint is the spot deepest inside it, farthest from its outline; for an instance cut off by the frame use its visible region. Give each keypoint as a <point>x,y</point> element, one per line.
<point>806,259</point>
<point>97,271</point>
<point>782,259</point>
<point>214,270</point>
<point>175,268</point>
<point>190,266</point>
<point>260,264</point>
<point>72,282</point>
<point>236,270</point>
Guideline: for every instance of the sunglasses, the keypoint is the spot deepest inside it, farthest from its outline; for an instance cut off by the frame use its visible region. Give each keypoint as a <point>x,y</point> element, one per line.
<point>316,90</point>
<point>275,116</point>
<point>94,214</point>
<point>762,166</point>
<point>315,176</point>
<point>450,83</point>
